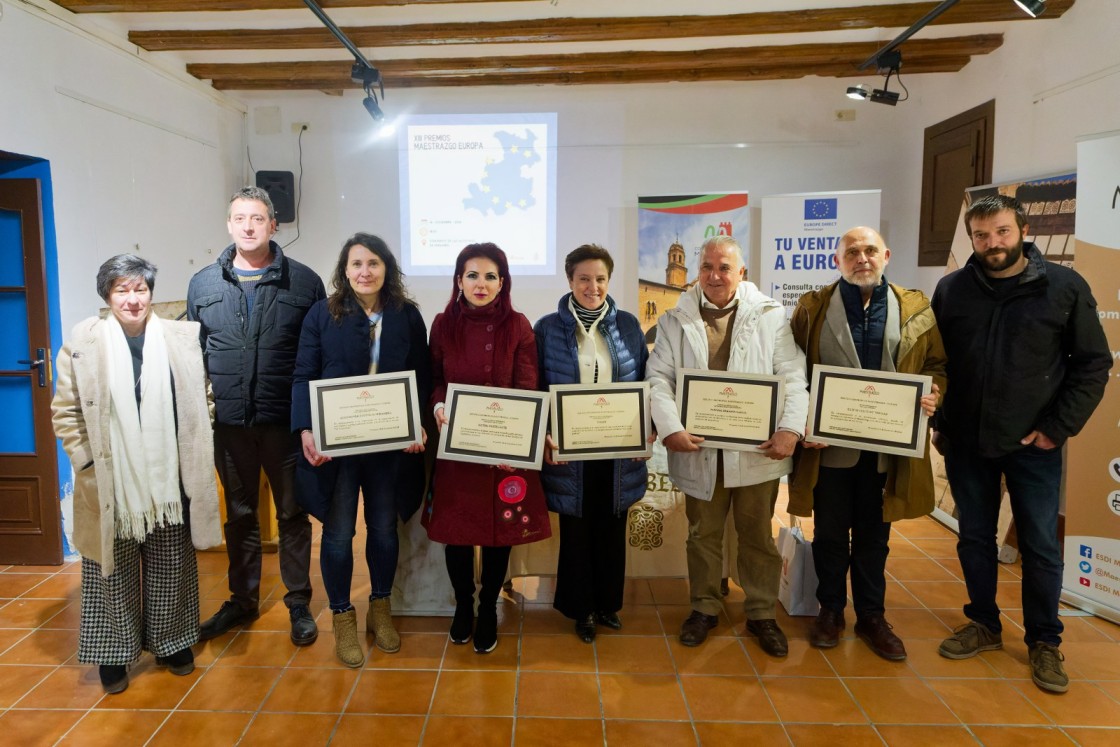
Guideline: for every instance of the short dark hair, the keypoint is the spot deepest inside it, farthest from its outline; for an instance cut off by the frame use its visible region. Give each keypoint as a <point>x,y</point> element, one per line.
<point>986,207</point>
<point>252,193</point>
<point>392,295</point>
<point>124,266</point>
<point>587,252</point>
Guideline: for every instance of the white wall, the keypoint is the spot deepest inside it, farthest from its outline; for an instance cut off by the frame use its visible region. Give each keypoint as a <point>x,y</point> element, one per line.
<point>141,160</point>
<point>614,144</point>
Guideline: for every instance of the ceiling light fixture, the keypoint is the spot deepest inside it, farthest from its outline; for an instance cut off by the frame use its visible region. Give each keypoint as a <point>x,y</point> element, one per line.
<point>883,57</point>
<point>1033,8</point>
<point>888,64</point>
<point>363,71</point>
<point>859,93</point>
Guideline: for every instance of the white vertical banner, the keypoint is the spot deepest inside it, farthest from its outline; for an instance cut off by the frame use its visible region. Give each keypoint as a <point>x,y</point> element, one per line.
<point>800,233</point>
<point>1091,579</point>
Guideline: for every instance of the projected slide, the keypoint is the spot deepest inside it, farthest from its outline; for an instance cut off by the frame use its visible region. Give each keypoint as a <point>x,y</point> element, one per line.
<point>470,178</point>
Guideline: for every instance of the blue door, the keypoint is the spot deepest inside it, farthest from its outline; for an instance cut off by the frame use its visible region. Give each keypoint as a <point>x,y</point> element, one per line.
<point>30,521</point>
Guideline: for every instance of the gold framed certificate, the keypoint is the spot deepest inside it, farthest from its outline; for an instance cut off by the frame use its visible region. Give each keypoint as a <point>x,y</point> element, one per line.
<point>492,425</point>
<point>364,414</point>
<point>601,421</point>
<point>870,410</point>
<point>730,410</point>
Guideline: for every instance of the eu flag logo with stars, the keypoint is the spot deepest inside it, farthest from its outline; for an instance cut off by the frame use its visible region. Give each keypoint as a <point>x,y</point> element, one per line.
<point>821,209</point>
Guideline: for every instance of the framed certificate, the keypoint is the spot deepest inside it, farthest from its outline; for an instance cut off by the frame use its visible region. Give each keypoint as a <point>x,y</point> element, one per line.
<point>600,421</point>
<point>364,414</point>
<point>871,410</point>
<point>730,410</point>
<point>491,425</point>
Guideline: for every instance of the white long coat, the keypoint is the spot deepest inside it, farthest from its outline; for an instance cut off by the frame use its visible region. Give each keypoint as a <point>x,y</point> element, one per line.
<point>81,419</point>
<point>761,343</point>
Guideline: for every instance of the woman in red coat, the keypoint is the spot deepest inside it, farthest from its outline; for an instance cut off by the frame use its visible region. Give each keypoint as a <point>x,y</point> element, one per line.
<point>480,340</point>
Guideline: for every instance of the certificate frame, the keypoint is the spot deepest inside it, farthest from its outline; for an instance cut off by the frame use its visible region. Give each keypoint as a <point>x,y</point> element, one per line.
<point>842,401</point>
<point>697,386</point>
<point>614,401</point>
<point>329,395</point>
<point>461,439</point>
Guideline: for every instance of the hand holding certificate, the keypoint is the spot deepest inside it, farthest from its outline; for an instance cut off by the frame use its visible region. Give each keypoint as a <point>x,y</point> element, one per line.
<point>729,410</point>
<point>491,425</point>
<point>601,421</point>
<point>365,414</point>
<point>870,410</point>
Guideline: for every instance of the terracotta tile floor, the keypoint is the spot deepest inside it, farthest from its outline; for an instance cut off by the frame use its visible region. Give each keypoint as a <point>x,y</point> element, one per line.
<point>544,687</point>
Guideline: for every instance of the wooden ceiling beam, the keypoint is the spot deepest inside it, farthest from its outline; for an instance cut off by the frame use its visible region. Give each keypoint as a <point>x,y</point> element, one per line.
<point>750,63</point>
<point>944,65</point>
<point>197,6</point>
<point>588,29</point>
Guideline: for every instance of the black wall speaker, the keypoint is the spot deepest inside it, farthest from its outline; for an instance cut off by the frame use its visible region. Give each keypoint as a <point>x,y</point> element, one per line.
<point>281,187</point>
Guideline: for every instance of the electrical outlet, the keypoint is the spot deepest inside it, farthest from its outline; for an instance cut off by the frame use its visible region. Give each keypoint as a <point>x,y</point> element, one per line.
<point>298,127</point>
<point>845,115</point>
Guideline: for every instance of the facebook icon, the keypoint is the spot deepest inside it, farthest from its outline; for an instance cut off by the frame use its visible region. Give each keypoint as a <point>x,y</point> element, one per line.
<point>821,209</point>
<point>1086,551</point>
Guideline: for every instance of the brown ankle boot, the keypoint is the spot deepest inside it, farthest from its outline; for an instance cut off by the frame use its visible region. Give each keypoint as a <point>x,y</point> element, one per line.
<point>379,621</point>
<point>346,645</point>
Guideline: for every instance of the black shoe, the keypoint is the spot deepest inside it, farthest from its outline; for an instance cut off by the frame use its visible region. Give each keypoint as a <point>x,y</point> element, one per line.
<point>585,629</point>
<point>180,663</point>
<point>876,632</point>
<point>770,637</point>
<point>304,630</point>
<point>462,623</point>
<point>694,630</point>
<point>229,616</point>
<point>486,629</point>
<point>114,678</point>
<point>608,620</point>
<point>824,632</point>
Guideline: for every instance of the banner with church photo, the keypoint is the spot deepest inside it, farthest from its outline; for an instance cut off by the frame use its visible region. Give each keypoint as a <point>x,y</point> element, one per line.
<point>671,230</point>
<point>1091,579</point>
<point>800,233</point>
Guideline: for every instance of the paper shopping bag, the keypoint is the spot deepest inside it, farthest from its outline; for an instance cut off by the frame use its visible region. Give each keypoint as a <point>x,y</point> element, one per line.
<point>798,588</point>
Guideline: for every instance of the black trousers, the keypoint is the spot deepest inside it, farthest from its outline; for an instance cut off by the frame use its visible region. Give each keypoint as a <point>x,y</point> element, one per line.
<point>240,454</point>
<point>460,569</point>
<point>591,569</point>
<point>849,532</point>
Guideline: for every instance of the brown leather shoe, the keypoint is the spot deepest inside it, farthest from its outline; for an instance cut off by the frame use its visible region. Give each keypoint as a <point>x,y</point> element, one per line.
<point>694,630</point>
<point>770,637</point>
<point>824,631</point>
<point>876,632</point>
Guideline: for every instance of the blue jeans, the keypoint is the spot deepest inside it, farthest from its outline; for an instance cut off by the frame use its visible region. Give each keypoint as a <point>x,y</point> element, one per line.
<point>373,474</point>
<point>1034,482</point>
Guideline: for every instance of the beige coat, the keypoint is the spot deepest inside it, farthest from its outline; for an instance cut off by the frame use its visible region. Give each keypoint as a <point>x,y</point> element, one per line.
<point>81,420</point>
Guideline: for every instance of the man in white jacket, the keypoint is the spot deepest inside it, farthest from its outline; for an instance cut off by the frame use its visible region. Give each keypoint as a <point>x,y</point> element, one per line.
<point>724,323</point>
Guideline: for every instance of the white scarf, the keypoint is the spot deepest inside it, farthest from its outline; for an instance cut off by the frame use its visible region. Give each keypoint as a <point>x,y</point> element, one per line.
<point>143,444</point>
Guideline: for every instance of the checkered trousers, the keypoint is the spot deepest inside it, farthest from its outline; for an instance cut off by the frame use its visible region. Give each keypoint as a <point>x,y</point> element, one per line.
<point>149,602</point>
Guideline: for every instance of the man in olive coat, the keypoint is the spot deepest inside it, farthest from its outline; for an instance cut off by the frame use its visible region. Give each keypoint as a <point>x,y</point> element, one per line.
<point>862,321</point>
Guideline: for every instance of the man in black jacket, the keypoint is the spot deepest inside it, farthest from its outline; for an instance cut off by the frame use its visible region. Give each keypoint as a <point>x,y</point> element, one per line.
<point>1029,361</point>
<point>251,305</point>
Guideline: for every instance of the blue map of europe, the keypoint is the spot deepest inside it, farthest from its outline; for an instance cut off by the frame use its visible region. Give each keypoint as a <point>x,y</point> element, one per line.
<point>503,186</point>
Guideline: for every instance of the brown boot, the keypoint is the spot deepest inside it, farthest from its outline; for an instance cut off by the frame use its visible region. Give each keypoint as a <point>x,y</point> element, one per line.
<point>876,632</point>
<point>346,644</point>
<point>379,621</point>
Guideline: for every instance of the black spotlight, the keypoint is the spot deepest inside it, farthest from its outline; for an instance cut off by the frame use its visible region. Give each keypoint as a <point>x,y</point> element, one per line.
<point>1033,8</point>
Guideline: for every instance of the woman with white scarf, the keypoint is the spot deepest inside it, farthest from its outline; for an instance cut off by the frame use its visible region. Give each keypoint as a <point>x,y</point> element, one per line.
<point>133,410</point>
